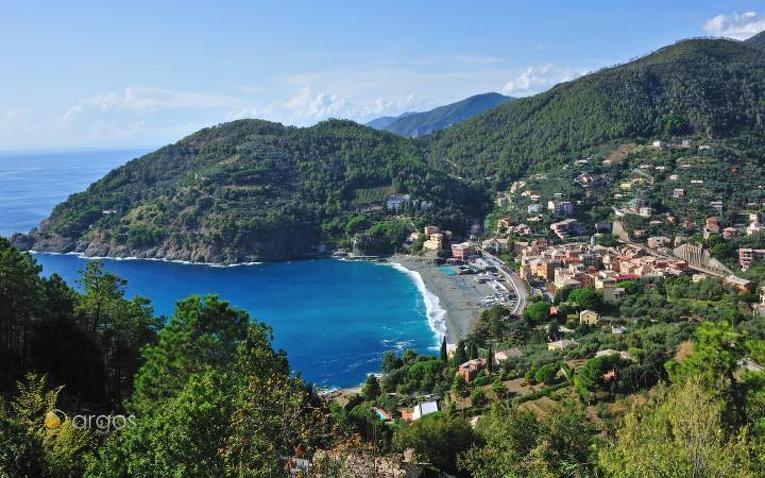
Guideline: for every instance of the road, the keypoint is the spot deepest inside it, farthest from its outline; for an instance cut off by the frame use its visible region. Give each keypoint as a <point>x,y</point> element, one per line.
<point>518,285</point>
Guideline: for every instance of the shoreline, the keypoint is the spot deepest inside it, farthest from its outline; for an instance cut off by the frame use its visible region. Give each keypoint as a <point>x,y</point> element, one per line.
<point>457,296</point>
<point>151,259</point>
<point>433,310</point>
<point>452,304</point>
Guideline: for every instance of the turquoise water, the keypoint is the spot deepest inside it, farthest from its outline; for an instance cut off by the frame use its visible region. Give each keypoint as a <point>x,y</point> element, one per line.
<point>335,319</point>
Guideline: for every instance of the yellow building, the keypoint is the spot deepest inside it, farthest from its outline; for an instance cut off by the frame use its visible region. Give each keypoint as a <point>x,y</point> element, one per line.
<point>589,317</point>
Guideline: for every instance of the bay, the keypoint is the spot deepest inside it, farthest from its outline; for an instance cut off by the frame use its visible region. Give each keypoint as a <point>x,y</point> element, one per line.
<point>334,318</point>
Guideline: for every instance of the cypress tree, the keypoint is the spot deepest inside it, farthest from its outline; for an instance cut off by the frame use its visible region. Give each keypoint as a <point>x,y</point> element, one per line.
<point>472,350</point>
<point>444,355</point>
<point>460,356</point>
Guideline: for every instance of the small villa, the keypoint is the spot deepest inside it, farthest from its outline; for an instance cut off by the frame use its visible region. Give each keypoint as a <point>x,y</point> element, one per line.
<point>418,411</point>
<point>470,369</point>
<point>561,345</point>
<point>504,355</point>
<point>589,317</point>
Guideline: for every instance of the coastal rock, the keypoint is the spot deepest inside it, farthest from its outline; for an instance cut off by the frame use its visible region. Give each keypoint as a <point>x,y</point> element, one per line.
<point>21,241</point>
<point>47,243</point>
<point>287,243</point>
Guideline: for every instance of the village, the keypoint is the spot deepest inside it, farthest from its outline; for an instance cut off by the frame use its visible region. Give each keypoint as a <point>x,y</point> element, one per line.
<point>528,263</point>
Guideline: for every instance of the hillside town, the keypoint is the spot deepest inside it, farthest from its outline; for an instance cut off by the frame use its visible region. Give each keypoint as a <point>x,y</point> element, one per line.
<point>564,281</point>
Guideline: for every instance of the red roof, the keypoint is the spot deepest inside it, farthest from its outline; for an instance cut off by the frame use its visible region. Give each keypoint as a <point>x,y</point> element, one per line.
<point>627,277</point>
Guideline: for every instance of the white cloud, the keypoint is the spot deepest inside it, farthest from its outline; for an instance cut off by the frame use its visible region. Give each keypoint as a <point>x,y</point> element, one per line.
<point>538,78</point>
<point>148,99</point>
<point>738,26</point>
<point>384,106</point>
<point>309,105</point>
<point>152,115</point>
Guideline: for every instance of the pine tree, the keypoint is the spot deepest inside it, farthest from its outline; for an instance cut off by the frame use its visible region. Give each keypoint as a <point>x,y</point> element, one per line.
<point>371,389</point>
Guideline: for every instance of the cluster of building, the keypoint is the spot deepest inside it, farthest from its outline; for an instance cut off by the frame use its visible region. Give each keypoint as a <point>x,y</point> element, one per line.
<point>397,202</point>
<point>437,241</point>
<point>634,205</point>
<point>579,264</point>
<point>682,144</point>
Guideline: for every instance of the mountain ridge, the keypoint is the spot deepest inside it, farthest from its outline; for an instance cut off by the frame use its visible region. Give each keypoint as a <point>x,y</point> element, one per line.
<point>255,190</point>
<point>417,124</point>
<point>694,86</point>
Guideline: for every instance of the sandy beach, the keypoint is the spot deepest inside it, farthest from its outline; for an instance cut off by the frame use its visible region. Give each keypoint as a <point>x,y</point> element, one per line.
<point>459,296</point>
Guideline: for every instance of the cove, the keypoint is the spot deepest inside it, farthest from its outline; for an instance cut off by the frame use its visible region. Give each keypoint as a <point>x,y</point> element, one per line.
<point>334,318</point>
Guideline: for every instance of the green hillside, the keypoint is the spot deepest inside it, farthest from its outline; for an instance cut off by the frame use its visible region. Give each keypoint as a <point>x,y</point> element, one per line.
<point>696,87</point>
<point>757,41</point>
<point>420,124</point>
<point>254,190</point>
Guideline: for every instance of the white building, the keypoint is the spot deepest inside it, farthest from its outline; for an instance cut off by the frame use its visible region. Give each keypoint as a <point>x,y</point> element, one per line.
<point>424,408</point>
<point>610,352</point>
<point>561,344</point>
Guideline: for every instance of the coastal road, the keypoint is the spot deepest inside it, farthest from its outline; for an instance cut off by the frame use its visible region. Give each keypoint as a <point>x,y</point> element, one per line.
<point>518,285</point>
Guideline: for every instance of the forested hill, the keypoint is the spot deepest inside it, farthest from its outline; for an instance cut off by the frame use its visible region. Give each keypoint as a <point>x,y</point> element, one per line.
<point>422,123</point>
<point>695,87</point>
<point>253,190</point>
<point>757,41</point>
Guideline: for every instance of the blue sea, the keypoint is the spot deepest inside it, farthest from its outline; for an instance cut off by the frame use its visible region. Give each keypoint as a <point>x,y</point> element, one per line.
<point>334,318</point>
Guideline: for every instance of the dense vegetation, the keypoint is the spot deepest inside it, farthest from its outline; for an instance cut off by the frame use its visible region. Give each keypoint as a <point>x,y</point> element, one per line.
<point>414,125</point>
<point>93,385</point>
<point>706,87</point>
<point>205,395</point>
<point>250,190</point>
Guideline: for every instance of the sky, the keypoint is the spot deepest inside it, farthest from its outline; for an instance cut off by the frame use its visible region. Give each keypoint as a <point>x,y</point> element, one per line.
<point>133,74</point>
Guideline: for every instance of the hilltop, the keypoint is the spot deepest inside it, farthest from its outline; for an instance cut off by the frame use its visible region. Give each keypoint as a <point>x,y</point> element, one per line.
<point>712,88</point>
<point>416,124</point>
<point>757,41</point>
<point>253,190</point>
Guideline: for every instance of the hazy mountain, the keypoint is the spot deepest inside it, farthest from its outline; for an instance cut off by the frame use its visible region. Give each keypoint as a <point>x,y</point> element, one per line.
<point>384,122</point>
<point>412,124</point>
